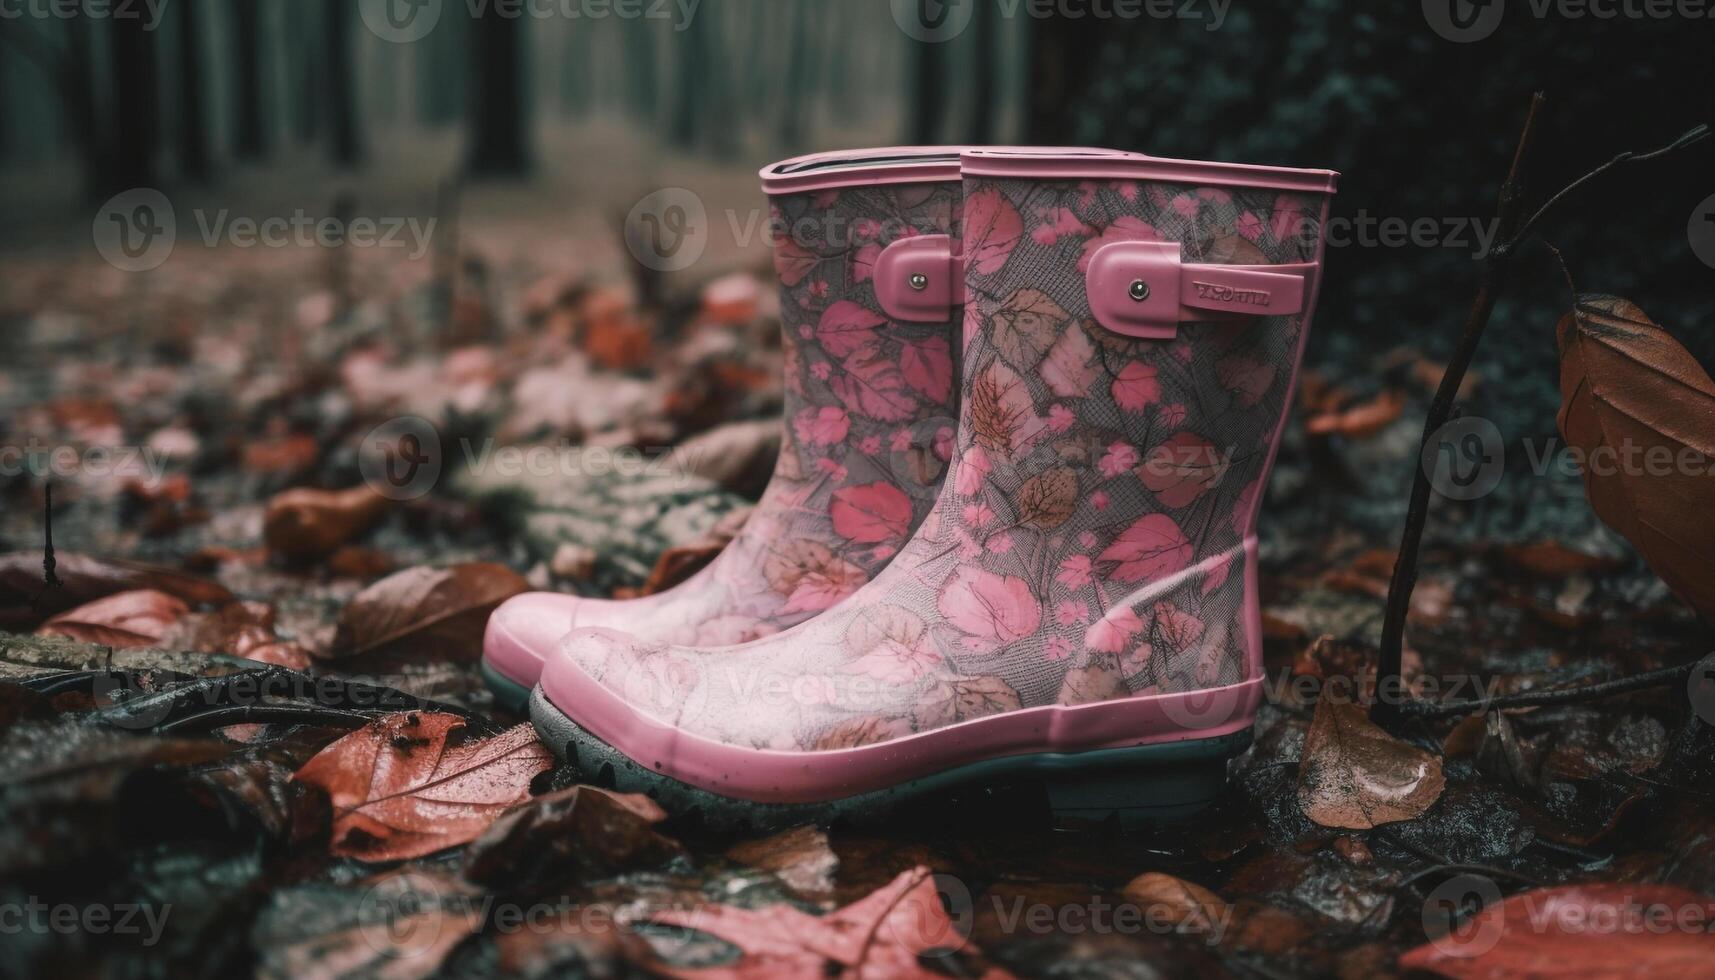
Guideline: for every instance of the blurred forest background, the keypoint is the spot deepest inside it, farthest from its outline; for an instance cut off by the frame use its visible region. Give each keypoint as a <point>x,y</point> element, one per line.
<point>296,98</point>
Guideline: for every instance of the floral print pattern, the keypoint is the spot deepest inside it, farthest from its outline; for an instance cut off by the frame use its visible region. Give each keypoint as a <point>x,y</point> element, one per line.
<point>1090,538</point>
<point>869,409</point>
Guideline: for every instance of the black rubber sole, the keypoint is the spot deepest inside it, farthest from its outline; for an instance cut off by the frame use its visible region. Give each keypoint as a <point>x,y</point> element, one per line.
<point>508,693</point>
<point>1127,788</point>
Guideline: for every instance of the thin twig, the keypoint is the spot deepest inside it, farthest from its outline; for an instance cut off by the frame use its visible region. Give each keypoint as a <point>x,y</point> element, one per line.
<point>1569,694</point>
<point>1512,232</point>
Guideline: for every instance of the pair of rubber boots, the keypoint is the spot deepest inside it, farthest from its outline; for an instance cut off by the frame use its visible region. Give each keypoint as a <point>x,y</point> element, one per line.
<point>1032,401</point>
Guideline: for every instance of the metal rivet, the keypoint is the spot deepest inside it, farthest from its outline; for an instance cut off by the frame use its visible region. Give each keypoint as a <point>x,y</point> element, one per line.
<point>919,281</point>
<point>1139,290</point>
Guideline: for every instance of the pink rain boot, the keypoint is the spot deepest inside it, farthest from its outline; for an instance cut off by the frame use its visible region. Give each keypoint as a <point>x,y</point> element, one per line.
<point>1080,607</point>
<point>870,409</point>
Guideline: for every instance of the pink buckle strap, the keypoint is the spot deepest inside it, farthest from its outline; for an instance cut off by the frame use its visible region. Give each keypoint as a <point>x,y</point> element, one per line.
<point>1145,289</point>
<point>916,279</point>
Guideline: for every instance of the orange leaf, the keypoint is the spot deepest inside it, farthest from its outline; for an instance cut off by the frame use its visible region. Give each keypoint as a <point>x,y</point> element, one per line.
<point>128,619</point>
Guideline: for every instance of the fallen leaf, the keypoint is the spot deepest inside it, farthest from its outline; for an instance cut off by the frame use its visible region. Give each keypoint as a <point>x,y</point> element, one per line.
<point>399,925</point>
<point>801,858</point>
<point>1190,907</point>
<point>304,524</point>
<point>580,832</point>
<point>411,784</point>
<point>1553,560</point>
<point>1360,421</point>
<point>1642,411</point>
<point>1356,776</point>
<point>882,935</point>
<point>1580,932</point>
<point>128,619</point>
<point>26,602</point>
<point>443,609</point>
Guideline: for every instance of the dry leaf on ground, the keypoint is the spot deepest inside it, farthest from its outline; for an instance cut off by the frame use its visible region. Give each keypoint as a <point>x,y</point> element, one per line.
<point>1356,776</point>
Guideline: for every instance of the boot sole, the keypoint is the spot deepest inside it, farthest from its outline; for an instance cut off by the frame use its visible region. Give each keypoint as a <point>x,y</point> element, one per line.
<point>1131,788</point>
<point>508,693</point>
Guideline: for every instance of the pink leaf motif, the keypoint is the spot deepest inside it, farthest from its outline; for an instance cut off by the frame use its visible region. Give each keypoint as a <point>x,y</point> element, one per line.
<point>1124,229</point>
<point>928,367</point>
<point>1150,549</point>
<point>973,467</point>
<point>846,326</point>
<point>825,426</point>
<point>1182,469</point>
<point>891,644</point>
<point>1119,458</point>
<point>871,513</point>
<point>1248,377</point>
<point>1067,370</point>
<point>863,262</point>
<point>1111,633</point>
<point>1075,572</point>
<point>1171,416</point>
<point>874,387</point>
<point>793,261</point>
<point>992,607</point>
<point>992,230</point>
<point>1136,388</point>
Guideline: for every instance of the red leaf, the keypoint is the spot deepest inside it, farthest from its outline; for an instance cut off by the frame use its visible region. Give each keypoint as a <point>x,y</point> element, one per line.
<point>872,513</point>
<point>1580,932</point>
<point>883,935</point>
<point>793,261</point>
<point>1151,549</point>
<point>409,784</point>
<point>873,386</point>
<point>1248,377</point>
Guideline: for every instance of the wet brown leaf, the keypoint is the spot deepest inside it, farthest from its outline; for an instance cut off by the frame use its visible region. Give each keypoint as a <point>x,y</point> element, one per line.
<point>426,610</point>
<point>800,857</point>
<point>1356,776</point>
<point>1642,411</point>
<point>1188,906</point>
<point>84,579</point>
<point>576,833</point>
<point>410,784</point>
<point>306,524</point>
<point>128,619</point>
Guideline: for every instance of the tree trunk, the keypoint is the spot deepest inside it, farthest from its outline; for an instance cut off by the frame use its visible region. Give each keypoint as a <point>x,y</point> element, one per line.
<point>1063,52</point>
<point>927,94</point>
<point>345,146</point>
<point>982,90</point>
<point>797,88</point>
<point>497,117</point>
<point>645,100</point>
<point>251,141</point>
<point>136,109</point>
<point>194,158</point>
